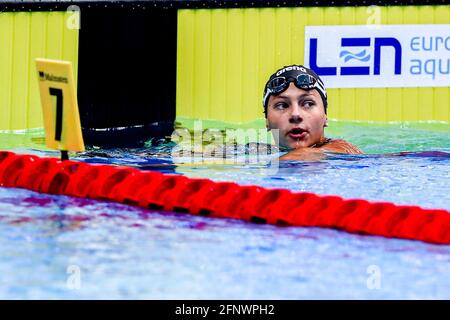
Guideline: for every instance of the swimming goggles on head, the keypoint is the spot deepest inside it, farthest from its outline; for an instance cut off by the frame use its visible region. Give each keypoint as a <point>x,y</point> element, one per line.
<point>302,81</point>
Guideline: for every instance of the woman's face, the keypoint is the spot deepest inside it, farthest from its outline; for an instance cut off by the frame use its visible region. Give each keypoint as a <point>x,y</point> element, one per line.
<point>299,115</point>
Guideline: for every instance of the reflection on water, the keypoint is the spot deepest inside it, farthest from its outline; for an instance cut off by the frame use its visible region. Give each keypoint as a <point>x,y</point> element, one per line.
<point>128,252</point>
<point>380,177</point>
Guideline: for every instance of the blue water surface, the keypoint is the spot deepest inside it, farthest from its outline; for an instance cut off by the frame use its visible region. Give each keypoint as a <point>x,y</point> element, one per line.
<point>58,247</point>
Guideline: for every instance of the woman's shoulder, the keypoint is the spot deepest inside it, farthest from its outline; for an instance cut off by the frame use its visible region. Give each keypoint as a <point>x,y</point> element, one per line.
<point>340,146</point>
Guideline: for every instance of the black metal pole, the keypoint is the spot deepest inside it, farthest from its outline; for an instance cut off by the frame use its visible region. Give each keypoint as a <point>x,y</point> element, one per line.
<point>64,155</point>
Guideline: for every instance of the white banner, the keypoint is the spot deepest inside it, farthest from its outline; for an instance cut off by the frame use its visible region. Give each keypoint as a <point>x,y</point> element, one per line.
<point>377,56</point>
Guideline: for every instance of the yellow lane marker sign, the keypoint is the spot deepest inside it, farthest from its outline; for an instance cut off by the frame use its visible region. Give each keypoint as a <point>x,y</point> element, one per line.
<point>59,106</point>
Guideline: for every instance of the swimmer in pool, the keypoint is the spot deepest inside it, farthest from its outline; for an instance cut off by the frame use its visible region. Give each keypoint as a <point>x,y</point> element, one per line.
<point>295,103</point>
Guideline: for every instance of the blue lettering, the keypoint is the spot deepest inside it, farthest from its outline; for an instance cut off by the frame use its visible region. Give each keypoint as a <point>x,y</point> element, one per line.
<point>321,71</point>
<point>423,44</point>
<point>392,42</point>
<point>437,42</point>
<point>416,69</point>
<point>429,43</point>
<point>448,67</point>
<point>431,62</point>
<point>414,44</point>
<point>355,71</point>
<point>355,42</point>
<point>430,67</point>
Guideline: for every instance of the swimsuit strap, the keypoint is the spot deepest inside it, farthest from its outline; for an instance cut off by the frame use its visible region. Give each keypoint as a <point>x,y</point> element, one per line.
<point>321,144</point>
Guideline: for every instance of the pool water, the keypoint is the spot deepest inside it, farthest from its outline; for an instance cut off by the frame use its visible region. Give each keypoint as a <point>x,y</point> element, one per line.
<point>58,247</point>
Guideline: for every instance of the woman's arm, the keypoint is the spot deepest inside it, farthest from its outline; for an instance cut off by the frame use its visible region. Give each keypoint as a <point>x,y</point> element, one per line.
<point>341,146</point>
<point>314,154</point>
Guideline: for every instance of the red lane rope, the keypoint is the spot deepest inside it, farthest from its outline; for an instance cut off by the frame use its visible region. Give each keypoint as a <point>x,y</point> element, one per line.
<point>155,190</point>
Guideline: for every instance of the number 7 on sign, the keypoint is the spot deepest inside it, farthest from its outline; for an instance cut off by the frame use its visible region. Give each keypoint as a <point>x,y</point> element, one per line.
<point>61,119</point>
